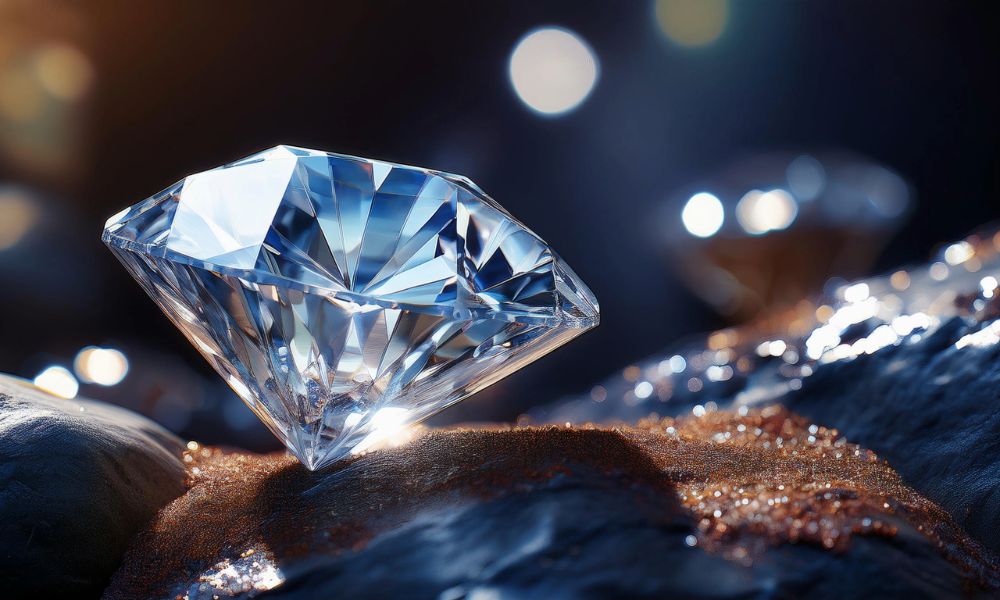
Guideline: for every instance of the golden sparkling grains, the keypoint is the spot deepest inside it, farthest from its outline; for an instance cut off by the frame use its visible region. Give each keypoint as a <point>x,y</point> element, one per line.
<point>752,479</point>
<point>784,481</point>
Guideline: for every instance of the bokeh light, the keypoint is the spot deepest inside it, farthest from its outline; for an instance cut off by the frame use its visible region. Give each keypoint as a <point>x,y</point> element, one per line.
<point>45,81</point>
<point>58,381</point>
<point>63,71</point>
<point>938,271</point>
<point>643,390</point>
<point>886,191</point>
<point>21,97</point>
<point>806,177</point>
<point>17,215</point>
<point>103,366</point>
<point>703,215</point>
<point>900,280</point>
<point>692,23</point>
<point>553,70</point>
<point>760,212</point>
<point>958,253</point>
<point>989,286</point>
<point>793,219</point>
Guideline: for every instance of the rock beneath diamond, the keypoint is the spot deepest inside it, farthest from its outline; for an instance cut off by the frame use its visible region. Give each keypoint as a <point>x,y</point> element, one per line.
<point>717,509</point>
<point>343,297</point>
<point>78,479</point>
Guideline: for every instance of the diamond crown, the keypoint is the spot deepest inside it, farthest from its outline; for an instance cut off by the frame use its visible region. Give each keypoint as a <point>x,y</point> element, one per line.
<point>344,297</point>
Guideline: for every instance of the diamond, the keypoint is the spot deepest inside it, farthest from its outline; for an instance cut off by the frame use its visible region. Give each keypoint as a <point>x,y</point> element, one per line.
<point>343,297</point>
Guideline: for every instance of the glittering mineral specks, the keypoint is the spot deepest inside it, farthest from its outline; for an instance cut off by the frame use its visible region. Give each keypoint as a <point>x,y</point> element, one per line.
<point>756,478</point>
<point>758,363</point>
<point>746,481</point>
<point>246,575</point>
<point>799,483</point>
<point>987,336</point>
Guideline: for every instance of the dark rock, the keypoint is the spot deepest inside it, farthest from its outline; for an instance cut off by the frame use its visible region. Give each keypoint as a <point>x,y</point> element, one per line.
<point>918,379</point>
<point>932,410</point>
<point>737,498</point>
<point>649,511</point>
<point>78,479</point>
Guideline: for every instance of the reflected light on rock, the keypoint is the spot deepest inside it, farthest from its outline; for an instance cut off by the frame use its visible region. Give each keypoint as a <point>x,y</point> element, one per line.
<point>958,253</point>
<point>703,215</point>
<point>253,571</point>
<point>806,178</point>
<point>57,381</point>
<point>988,285</point>
<point>918,310</point>
<point>857,292</point>
<point>984,338</point>
<point>389,428</point>
<point>17,215</point>
<point>692,23</point>
<point>103,366</point>
<point>552,70</point>
<point>760,212</point>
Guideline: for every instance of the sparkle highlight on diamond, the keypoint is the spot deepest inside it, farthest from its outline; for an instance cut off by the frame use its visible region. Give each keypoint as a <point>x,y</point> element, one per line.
<point>343,298</point>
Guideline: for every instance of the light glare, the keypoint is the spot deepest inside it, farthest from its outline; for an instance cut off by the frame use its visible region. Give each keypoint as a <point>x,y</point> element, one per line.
<point>703,215</point>
<point>857,292</point>
<point>989,285</point>
<point>643,390</point>
<point>388,429</point>
<point>760,212</point>
<point>958,253</point>
<point>57,381</point>
<point>103,366</point>
<point>552,70</point>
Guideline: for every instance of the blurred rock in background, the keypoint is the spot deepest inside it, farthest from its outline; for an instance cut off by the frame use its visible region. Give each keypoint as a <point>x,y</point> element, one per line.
<point>769,230</point>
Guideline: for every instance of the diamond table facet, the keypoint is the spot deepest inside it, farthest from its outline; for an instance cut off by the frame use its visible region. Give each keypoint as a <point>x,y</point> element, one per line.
<point>343,297</point>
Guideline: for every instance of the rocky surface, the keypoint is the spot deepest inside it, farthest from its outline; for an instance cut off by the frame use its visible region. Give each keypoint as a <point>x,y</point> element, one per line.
<point>746,486</point>
<point>763,504</point>
<point>78,479</point>
<point>931,409</point>
<point>907,364</point>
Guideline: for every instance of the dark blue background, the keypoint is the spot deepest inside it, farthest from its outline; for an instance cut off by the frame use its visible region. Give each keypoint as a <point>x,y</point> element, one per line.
<point>185,87</point>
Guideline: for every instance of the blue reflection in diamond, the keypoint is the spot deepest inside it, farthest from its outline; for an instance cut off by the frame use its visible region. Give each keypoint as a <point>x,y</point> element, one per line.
<point>333,292</point>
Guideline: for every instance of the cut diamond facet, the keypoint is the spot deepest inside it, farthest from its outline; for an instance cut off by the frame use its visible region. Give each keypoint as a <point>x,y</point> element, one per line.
<point>343,297</point>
